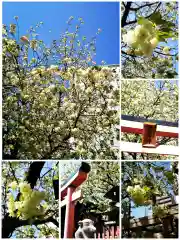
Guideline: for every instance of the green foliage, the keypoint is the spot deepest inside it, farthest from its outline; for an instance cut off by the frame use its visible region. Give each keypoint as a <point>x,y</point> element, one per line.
<point>166,27</point>
<point>160,211</point>
<point>140,195</point>
<point>170,177</point>
<point>103,177</point>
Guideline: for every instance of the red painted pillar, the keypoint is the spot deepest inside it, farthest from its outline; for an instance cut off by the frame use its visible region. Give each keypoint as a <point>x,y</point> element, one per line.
<point>107,232</point>
<point>112,231</point>
<point>118,231</point>
<point>69,218</point>
<point>149,135</point>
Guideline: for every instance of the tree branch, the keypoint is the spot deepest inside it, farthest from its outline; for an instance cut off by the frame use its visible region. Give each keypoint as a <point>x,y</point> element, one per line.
<point>34,173</point>
<point>125,15</point>
<point>41,221</point>
<point>135,21</point>
<point>142,6</point>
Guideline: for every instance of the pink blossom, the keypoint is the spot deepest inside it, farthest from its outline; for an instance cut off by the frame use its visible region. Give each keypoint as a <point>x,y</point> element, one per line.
<point>24,39</point>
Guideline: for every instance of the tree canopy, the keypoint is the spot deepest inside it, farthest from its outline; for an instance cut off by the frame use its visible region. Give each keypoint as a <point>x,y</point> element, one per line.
<point>57,104</point>
<point>149,40</point>
<point>29,207</point>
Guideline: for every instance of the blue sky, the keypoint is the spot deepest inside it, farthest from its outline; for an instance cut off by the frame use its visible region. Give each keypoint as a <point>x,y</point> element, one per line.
<point>104,15</point>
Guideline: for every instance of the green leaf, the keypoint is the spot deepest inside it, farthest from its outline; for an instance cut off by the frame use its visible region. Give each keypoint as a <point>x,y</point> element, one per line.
<point>163,35</point>
<point>159,169</point>
<point>146,188</point>
<point>169,176</point>
<point>141,20</point>
<point>158,20</point>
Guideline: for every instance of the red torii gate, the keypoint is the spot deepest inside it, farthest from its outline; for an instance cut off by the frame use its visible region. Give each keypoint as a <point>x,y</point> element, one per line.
<point>69,195</point>
<point>149,130</point>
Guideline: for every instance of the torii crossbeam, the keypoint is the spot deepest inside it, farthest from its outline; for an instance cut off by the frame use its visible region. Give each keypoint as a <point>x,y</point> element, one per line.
<point>149,129</point>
